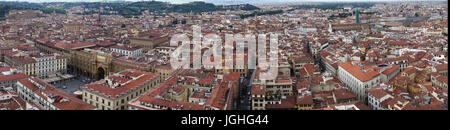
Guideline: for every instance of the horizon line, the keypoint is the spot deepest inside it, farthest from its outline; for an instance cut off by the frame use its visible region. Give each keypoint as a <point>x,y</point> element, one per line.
<point>264,1</point>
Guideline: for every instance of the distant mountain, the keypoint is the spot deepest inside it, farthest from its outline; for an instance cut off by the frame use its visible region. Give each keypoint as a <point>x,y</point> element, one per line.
<point>234,2</point>
<point>226,2</point>
<point>247,7</point>
<point>5,7</point>
<point>136,8</point>
<point>127,9</point>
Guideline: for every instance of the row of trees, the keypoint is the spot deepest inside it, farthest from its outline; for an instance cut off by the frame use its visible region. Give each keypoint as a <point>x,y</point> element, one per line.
<point>51,10</point>
<point>5,7</point>
<point>129,9</point>
<point>270,12</point>
<point>340,15</point>
<point>126,9</point>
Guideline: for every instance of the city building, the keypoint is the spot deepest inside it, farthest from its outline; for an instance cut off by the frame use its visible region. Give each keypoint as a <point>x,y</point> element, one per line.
<point>10,75</point>
<point>46,97</point>
<point>149,40</point>
<point>376,96</point>
<point>128,50</point>
<point>358,78</point>
<point>114,91</point>
<point>9,100</point>
<point>23,62</point>
<point>42,65</point>
<point>49,64</point>
<point>163,97</point>
<point>258,97</point>
<point>91,63</point>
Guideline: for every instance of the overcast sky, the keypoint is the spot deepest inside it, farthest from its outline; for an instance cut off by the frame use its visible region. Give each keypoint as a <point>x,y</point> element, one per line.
<point>216,1</point>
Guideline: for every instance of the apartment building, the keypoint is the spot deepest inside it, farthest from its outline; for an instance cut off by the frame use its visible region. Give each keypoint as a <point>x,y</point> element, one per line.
<point>358,78</point>
<point>114,91</point>
<point>128,50</point>
<point>376,96</point>
<point>48,64</point>
<point>258,97</point>
<point>37,64</point>
<point>44,96</point>
<point>9,76</point>
<point>23,62</point>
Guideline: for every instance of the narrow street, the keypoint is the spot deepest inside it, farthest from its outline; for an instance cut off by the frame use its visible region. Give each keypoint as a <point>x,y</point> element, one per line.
<point>245,92</point>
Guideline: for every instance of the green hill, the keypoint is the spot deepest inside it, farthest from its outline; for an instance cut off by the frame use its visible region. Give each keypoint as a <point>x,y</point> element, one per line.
<point>126,9</point>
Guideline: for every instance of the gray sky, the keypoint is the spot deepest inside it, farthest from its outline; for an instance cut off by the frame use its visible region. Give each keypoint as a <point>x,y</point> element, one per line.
<point>218,1</point>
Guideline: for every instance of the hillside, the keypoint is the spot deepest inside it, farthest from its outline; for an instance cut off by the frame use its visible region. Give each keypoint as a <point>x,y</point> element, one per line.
<point>126,9</point>
<point>136,8</point>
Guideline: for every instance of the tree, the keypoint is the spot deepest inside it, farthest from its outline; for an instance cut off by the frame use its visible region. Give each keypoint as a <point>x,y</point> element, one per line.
<point>51,10</point>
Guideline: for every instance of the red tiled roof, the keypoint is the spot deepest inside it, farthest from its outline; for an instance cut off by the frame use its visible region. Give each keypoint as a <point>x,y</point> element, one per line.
<point>441,67</point>
<point>342,94</point>
<point>258,90</point>
<point>355,70</point>
<point>197,94</point>
<point>14,76</point>
<point>208,80</point>
<point>390,70</point>
<point>219,97</point>
<point>150,98</point>
<point>166,67</point>
<point>400,58</point>
<point>131,85</point>
<point>377,92</point>
<point>125,47</point>
<point>232,77</point>
<point>309,68</point>
<point>12,104</point>
<point>396,43</point>
<point>73,103</point>
<point>167,103</point>
<point>305,100</point>
<point>74,45</point>
<point>288,103</point>
<point>442,79</point>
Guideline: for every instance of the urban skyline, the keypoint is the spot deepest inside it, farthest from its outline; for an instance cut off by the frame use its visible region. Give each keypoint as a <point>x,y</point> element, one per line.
<point>223,1</point>
<point>202,56</point>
